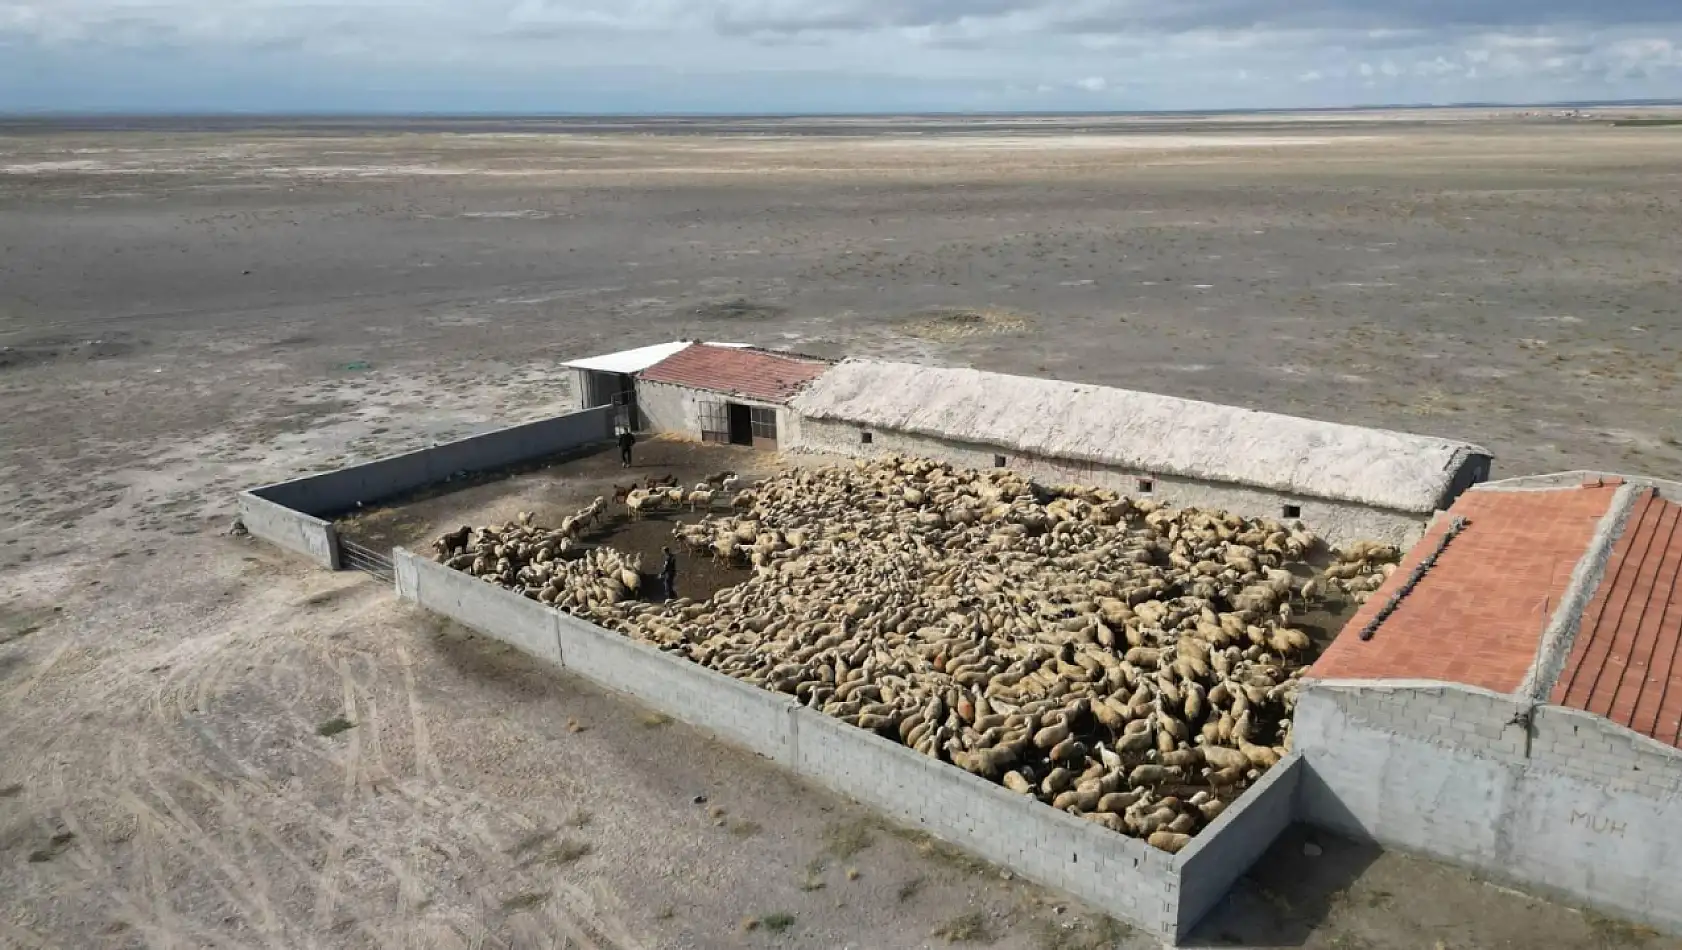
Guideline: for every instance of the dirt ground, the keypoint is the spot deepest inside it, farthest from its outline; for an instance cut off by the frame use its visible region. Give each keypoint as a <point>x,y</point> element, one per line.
<point>187,312</point>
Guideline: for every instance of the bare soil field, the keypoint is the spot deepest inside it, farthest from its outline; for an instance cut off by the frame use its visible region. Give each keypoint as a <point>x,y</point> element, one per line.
<point>205,744</point>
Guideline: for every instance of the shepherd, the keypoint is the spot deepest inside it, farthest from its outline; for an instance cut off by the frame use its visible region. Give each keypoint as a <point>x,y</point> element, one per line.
<point>668,573</point>
<point>626,440</point>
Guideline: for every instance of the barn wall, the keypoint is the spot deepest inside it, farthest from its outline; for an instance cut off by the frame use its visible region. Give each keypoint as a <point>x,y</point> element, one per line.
<point>1569,806</point>
<point>1337,521</point>
<point>670,408</point>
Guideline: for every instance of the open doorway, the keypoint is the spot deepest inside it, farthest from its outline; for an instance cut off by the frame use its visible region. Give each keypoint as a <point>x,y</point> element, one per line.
<point>741,423</point>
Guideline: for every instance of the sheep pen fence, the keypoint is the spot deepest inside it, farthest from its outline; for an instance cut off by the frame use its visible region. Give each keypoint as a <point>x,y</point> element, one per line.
<point>1161,893</point>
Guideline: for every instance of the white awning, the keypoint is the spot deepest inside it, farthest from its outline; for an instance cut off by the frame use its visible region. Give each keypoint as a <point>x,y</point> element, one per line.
<point>639,359</point>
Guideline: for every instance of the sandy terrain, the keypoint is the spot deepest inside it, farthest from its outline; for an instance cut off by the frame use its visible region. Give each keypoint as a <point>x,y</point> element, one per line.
<point>187,312</point>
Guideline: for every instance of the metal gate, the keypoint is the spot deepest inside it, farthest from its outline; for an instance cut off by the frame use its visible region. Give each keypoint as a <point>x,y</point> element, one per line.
<point>355,557</point>
<point>625,411</point>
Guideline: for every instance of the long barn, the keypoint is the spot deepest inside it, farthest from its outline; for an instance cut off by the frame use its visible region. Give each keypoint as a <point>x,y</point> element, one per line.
<point>1346,481</point>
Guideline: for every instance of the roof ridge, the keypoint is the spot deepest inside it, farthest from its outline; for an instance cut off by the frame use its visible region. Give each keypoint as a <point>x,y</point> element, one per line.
<point>1559,637</point>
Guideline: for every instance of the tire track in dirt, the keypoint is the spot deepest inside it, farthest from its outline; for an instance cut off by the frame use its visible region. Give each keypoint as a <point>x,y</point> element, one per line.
<point>327,889</point>
<point>426,764</point>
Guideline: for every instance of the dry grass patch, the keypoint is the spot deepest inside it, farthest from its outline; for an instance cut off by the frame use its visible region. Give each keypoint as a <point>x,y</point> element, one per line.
<point>968,928</point>
<point>848,839</point>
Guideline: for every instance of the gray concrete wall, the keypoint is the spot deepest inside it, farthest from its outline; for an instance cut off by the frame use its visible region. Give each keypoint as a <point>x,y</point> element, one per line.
<point>333,493</point>
<point>1668,490</point>
<point>738,712</point>
<point>292,530</point>
<point>1590,748</point>
<point>1233,842</point>
<point>1337,521</point>
<point>1123,876</point>
<point>497,613</point>
<point>1120,875</point>
<point>668,408</point>
<point>1569,806</point>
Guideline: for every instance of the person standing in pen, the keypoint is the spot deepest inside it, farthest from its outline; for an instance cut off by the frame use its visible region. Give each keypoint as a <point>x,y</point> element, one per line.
<point>626,440</point>
<point>668,573</point>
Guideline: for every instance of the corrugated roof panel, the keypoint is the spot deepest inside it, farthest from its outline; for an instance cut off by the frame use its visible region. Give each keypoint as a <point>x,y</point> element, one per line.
<point>639,359</point>
<point>630,361</point>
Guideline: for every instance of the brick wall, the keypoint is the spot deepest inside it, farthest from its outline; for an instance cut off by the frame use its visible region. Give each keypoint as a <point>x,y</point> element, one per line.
<point>1336,520</point>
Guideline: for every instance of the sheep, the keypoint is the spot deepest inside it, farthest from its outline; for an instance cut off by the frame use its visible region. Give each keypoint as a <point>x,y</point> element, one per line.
<point>1091,652</point>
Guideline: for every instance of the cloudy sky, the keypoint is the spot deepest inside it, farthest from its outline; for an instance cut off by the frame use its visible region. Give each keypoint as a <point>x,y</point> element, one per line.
<point>825,55</point>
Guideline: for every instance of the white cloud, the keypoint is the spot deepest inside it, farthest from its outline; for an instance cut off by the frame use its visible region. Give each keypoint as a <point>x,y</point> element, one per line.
<point>739,54</point>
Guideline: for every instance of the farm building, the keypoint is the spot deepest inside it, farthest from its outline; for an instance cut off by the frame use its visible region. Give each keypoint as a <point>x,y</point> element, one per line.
<point>735,395</point>
<point>716,392</point>
<point>1511,699</point>
<point>1346,481</point>
<point>610,379</point>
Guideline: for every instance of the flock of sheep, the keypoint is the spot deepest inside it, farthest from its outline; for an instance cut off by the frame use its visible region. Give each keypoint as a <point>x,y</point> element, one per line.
<point>1131,664</point>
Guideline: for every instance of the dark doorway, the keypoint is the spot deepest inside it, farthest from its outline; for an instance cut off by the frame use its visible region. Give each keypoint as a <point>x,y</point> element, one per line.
<point>626,400</point>
<point>741,424</point>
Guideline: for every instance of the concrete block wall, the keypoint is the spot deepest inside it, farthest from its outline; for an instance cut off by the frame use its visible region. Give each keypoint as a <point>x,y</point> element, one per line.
<point>738,712</point>
<point>1591,748</point>
<point>293,530</point>
<point>1555,801</point>
<point>500,614</point>
<point>1390,768</point>
<point>1232,843</point>
<point>1338,521</point>
<point>1123,876</point>
<point>333,493</point>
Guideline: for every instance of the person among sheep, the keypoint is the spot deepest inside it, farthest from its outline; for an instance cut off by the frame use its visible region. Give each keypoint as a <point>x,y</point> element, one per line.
<point>626,440</point>
<point>668,573</point>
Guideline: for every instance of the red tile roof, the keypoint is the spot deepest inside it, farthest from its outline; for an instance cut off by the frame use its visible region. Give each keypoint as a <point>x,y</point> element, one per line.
<point>1477,616</point>
<point>749,373</point>
<point>1625,664</point>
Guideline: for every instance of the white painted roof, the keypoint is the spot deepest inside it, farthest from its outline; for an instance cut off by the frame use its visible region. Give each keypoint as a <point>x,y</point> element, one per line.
<point>639,359</point>
<point>1143,431</point>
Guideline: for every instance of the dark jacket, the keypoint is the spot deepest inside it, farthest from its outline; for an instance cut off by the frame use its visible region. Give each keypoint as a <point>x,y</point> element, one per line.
<point>668,567</point>
<point>626,439</point>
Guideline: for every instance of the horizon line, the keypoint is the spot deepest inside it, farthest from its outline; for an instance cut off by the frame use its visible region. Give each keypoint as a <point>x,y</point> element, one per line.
<point>55,114</point>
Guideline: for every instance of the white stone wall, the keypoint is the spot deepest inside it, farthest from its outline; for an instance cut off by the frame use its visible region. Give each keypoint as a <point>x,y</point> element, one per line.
<point>669,408</point>
<point>1337,521</point>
